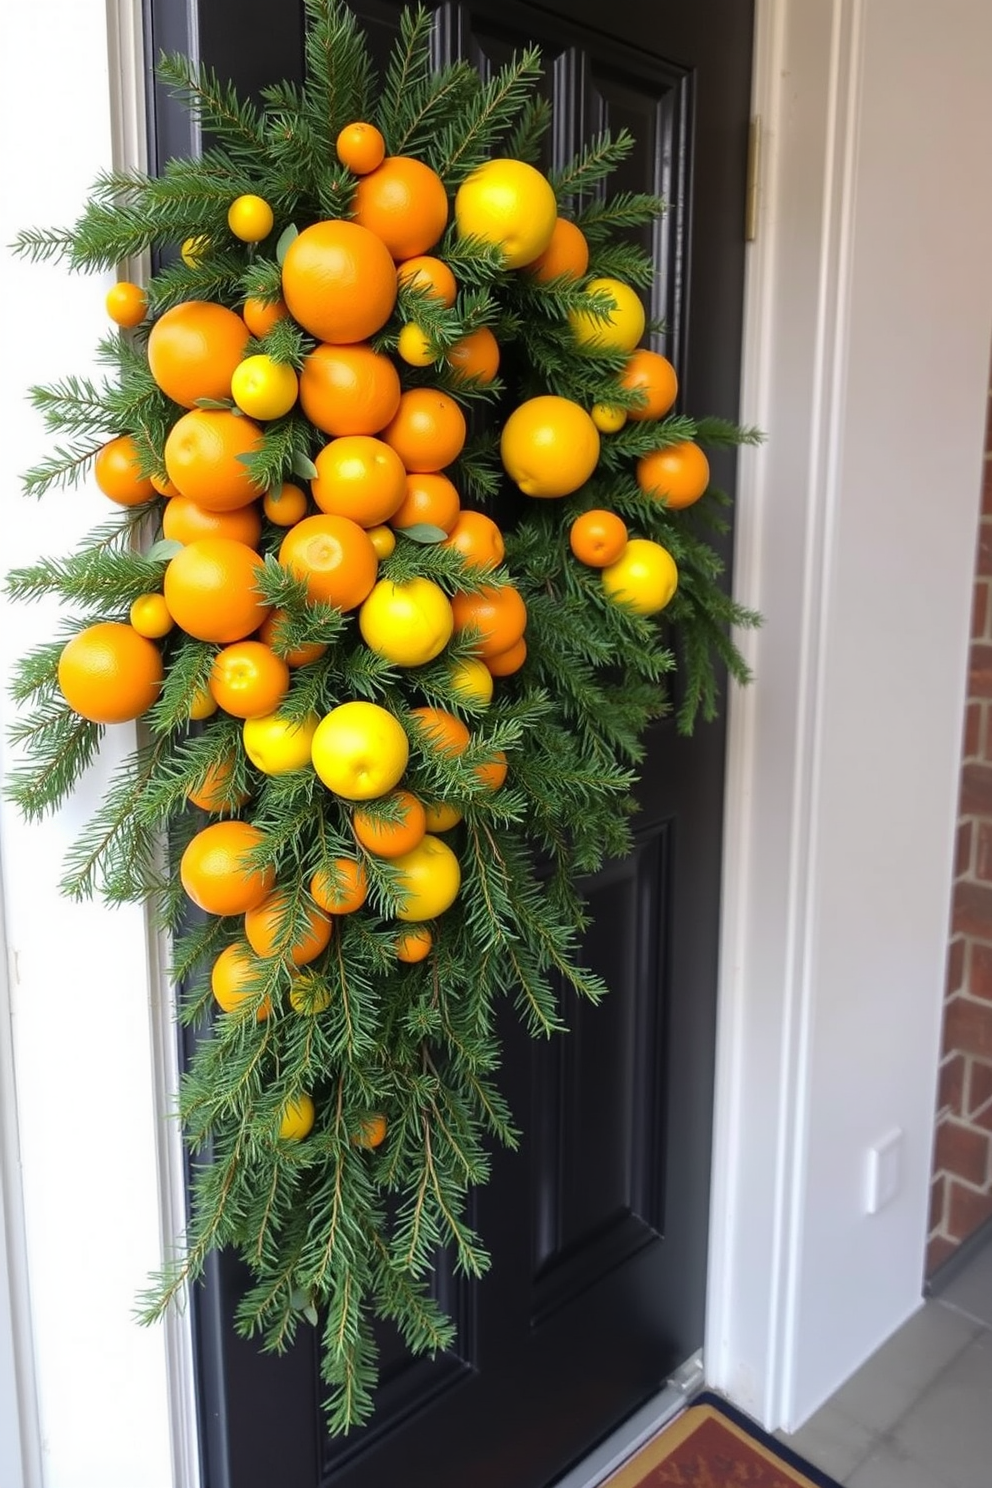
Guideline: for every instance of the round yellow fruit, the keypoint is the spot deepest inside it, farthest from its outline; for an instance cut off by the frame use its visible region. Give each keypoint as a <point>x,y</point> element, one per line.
<point>360,751</point>
<point>250,218</point>
<point>308,994</point>
<point>471,680</point>
<point>623,329</point>
<point>276,745</point>
<point>383,539</point>
<point>414,346</point>
<point>264,389</point>
<point>149,616</point>
<point>549,446</point>
<point>408,623</point>
<point>429,880</point>
<point>297,1118</point>
<point>511,205</point>
<point>608,418</point>
<point>193,250</point>
<point>644,577</point>
<point>442,817</point>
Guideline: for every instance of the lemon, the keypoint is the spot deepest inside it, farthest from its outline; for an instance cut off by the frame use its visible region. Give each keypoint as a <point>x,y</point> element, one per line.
<point>149,616</point>
<point>549,446</point>
<point>308,994</point>
<point>202,704</point>
<point>275,744</point>
<point>429,879</point>
<point>608,418</point>
<point>250,218</point>
<point>414,346</point>
<point>297,1118</point>
<point>511,205</point>
<point>360,751</point>
<point>193,250</point>
<point>408,623</point>
<point>644,577</point>
<point>383,539</point>
<point>472,680</point>
<point>623,329</point>
<point>264,389</point>
<point>442,817</point>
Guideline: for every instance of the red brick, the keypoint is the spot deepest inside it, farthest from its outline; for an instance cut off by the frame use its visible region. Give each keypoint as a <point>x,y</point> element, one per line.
<point>983,850</point>
<point>968,1209</point>
<point>979,1085</point>
<point>963,1151</point>
<point>983,562</point>
<point>980,660</point>
<point>968,1028</point>
<point>939,1250</point>
<point>979,983</point>
<point>976,790</point>
<point>972,740</point>
<point>980,609</point>
<point>984,1118</point>
<point>972,911</point>
<point>987,488</point>
<point>936,1204</point>
<point>962,855</point>
<point>955,965</point>
<point>950,1095</point>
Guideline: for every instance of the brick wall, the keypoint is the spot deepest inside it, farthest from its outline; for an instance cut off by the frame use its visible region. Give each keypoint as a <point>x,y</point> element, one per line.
<point>962,1181</point>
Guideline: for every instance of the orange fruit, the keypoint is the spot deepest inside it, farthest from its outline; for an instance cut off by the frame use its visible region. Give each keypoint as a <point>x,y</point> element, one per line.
<point>127,304</point>
<point>476,355</point>
<point>193,350</point>
<point>215,871</point>
<point>342,888</point>
<point>261,315</point>
<point>117,473</point>
<point>269,632</point>
<point>339,281</point>
<point>360,147</point>
<point>163,485</point>
<point>567,254</point>
<point>383,539</point>
<point>505,663</point>
<point>201,704</point>
<point>334,557</point>
<point>203,458</point>
<point>109,673</point>
<point>549,446</point>
<point>414,944</point>
<point>349,389</point>
<point>429,274</point>
<point>430,501</point>
<point>235,976</point>
<point>359,477</point>
<point>297,1119</point>
<point>215,794</point>
<point>676,476</point>
<point>446,734</point>
<point>149,615</point>
<point>248,680</point>
<point>404,203</point>
<point>441,817</point>
<point>478,539</point>
<point>210,589</point>
<point>389,839</point>
<point>184,521</point>
<point>373,1132</point>
<point>428,430</point>
<point>597,537</point>
<point>266,931</point>
<point>250,218</point>
<point>493,773</point>
<point>498,613</point>
<point>652,375</point>
<point>608,417</point>
<point>285,505</point>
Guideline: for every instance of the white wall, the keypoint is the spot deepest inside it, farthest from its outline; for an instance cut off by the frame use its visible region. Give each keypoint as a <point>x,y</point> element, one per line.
<point>871,312</point>
<point>78,973</point>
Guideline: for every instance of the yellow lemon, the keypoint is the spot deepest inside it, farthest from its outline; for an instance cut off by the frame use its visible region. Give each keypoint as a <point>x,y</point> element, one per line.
<point>202,704</point>
<point>360,751</point>
<point>309,994</point>
<point>408,623</point>
<point>149,616</point>
<point>193,250</point>
<point>250,218</point>
<point>607,418</point>
<point>383,539</point>
<point>510,204</point>
<point>442,817</point>
<point>429,880</point>
<point>297,1119</point>
<point>472,680</point>
<point>623,329</point>
<point>264,389</point>
<point>644,577</point>
<point>549,446</point>
<point>414,346</point>
<point>276,745</point>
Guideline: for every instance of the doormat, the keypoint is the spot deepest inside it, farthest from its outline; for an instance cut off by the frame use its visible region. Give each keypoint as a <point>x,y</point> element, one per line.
<point>712,1445</point>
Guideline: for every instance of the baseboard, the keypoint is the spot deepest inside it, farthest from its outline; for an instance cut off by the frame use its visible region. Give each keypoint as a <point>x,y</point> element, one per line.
<point>958,1260</point>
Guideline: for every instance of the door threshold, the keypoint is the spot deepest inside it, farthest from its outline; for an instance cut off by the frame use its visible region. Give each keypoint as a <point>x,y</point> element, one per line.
<point>638,1428</point>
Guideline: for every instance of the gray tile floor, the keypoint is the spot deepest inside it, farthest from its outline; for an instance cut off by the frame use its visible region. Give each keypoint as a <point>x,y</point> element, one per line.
<point>919,1413</point>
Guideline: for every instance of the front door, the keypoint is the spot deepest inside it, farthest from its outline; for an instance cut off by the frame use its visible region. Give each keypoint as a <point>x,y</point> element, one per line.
<point>598,1225</point>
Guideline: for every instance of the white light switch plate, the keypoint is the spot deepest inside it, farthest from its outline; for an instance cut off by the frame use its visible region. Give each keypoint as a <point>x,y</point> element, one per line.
<point>883,1171</point>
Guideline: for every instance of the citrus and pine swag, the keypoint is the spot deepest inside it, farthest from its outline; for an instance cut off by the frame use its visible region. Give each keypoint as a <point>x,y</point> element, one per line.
<point>368,710</point>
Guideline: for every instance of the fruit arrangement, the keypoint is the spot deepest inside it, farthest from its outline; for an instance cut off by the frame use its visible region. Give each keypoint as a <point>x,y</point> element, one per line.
<point>398,494</point>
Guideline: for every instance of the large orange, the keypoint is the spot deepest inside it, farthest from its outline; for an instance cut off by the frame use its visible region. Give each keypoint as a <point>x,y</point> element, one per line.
<point>653,376</point>
<point>210,589</point>
<point>476,355</point>
<point>271,632</point>
<point>193,350</point>
<point>359,477</point>
<point>349,389</point>
<point>428,431</point>
<point>334,557</point>
<point>430,501</point>
<point>108,673</point>
<point>203,458</point>
<point>237,975</point>
<point>341,888</point>
<point>184,521</point>
<point>478,539</point>
<point>248,679</point>
<point>676,476</point>
<point>404,203</point>
<point>566,255</point>
<point>215,871</point>
<point>116,471</point>
<point>390,839</point>
<point>498,613</point>
<point>339,281</point>
<point>267,930</point>
<point>432,275</point>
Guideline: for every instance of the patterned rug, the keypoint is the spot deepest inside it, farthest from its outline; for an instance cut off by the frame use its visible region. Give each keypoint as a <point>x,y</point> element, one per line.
<point>711,1445</point>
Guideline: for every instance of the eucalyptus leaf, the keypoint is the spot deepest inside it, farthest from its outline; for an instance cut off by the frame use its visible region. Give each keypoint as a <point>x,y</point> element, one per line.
<point>285,238</point>
<point>303,466</point>
<point>423,532</point>
<point>164,549</point>
<point>227,404</point>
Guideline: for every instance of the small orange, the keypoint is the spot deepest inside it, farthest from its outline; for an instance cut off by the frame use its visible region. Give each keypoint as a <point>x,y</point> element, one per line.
<point>428,430</point>
<point>652,375</point>
<point>373,1132</point>
<point>339,281</point>
<point>201,704</point>
<point>237,975</point>
<point>266,931</point>
<point>478,539</point>
<point>430,500</point>
<point>193,350</point>
<point>383,539</point>
<point>414,944</point>
<point>567,254</point>
<point>359,477</point>
<point>108,673</point>
<point>390,839</point>
<point>442,816</point>
<point>493,773</point>
<point>149,614</point>
<point>269,632</point>
<point>676,476</point>
<point>360,147</point>
<point>163,485</point>
<point>285,505</point>
<point>597,537</point>
<point>216,873</point>
<point>430,274</point>
<point>127,304</point>
<point>342,888</point>
<point>349,389</point>
<point>210,589</point>
<point>261,315</point>
<point>446,733</point>
<point>216,794</point>
<point>248,680</point>
<point>505,663</point>
<point>334,557</point>
<point>404,203</point>
<point>203,456</point>
<point>184,521</point>
<point>476,355</point>
<point>498,613</point>
<point>117,472</point>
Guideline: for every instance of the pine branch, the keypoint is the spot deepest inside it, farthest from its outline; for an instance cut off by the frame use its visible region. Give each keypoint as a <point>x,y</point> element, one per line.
<point>597,160</point>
